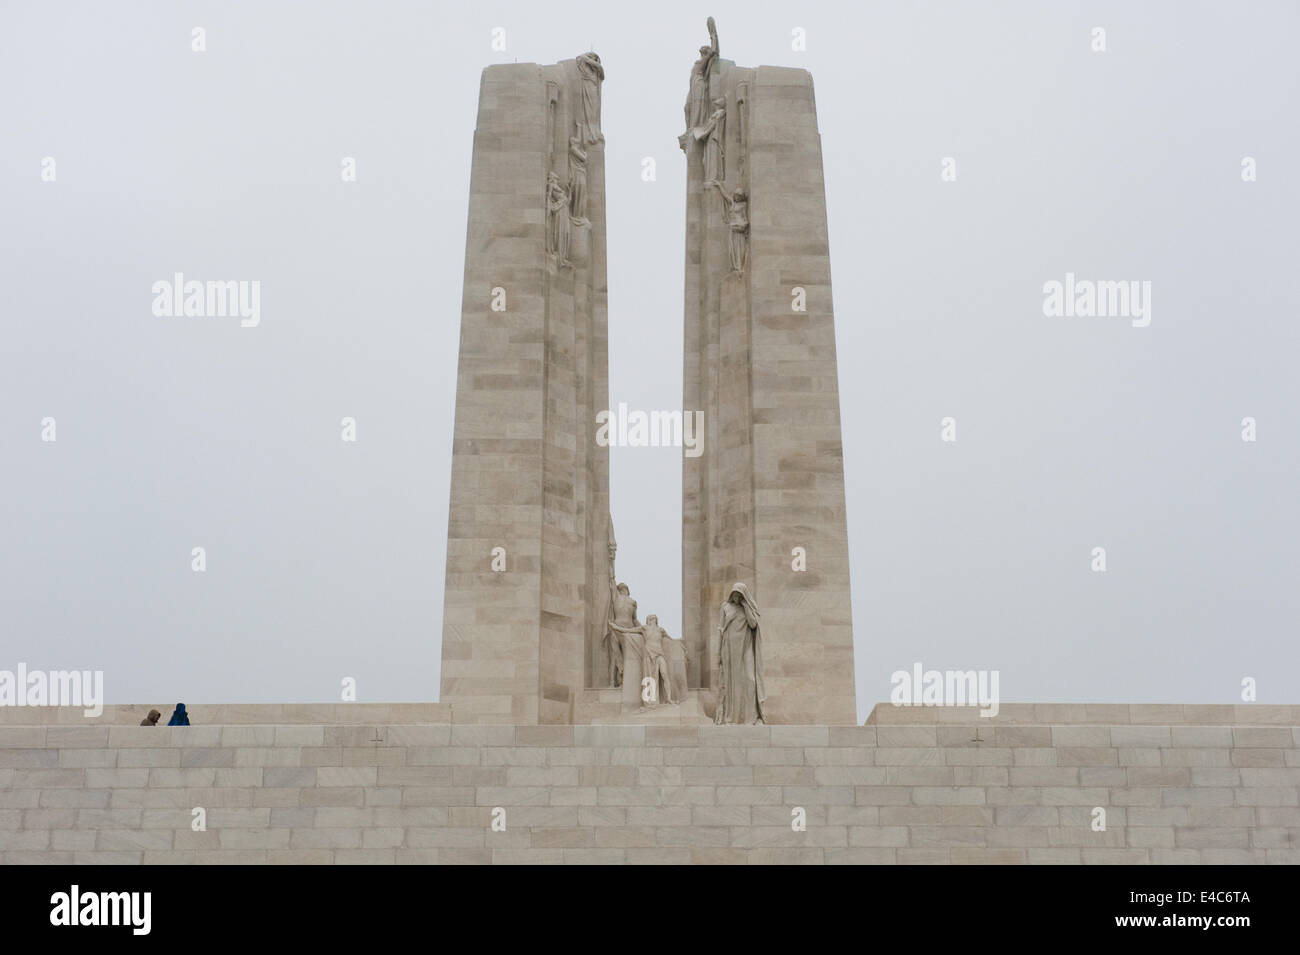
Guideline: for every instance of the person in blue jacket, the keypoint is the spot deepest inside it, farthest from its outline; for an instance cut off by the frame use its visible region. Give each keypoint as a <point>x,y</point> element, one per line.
<point>179,716</point>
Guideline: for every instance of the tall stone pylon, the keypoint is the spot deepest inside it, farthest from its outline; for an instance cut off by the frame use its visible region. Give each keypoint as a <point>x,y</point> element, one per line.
<point>764,503</point>
<point>526,539</point>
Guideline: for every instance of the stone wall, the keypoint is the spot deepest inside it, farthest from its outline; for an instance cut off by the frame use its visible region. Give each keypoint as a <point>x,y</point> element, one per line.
<point>908,789</point>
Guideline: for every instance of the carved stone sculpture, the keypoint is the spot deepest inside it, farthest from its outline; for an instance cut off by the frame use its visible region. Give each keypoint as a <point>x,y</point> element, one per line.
<point>655,665</point>
<point>740,660</point>
<point>714,131</point>
<point>593,74</point>
<point>736,218</point>
<point>697,100</point>
<point>623,632</point>
<point>558,229</point>
<point>577,179</point>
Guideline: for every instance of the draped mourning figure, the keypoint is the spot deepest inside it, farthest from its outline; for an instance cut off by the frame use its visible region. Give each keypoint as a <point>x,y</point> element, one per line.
<point>558,231</point>
<point>592,74</point>
<point>740,660</point>
<point>577,180</point>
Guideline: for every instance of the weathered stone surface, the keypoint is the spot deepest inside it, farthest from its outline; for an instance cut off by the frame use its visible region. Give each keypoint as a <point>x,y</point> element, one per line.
<point>527,475</point>
<point>771,475</point>
<point>877,794</point>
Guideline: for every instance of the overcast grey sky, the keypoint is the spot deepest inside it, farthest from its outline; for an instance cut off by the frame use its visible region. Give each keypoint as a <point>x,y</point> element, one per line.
<point>325,559</point>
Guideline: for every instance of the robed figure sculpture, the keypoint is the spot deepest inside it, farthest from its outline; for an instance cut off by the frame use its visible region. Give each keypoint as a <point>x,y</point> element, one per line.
<point>740,660</point>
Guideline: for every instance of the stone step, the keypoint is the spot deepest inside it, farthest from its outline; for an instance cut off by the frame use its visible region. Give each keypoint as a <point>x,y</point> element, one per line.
<point>607,706</point>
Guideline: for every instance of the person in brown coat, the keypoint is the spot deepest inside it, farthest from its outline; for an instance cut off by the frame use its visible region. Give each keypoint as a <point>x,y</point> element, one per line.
<point>152,719</point>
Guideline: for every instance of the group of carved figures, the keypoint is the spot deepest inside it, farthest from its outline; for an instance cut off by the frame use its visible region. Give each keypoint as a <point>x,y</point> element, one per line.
<point>662,659</point>
<point>706,123</point>
<point>738,657</point>
<point>566,202</point>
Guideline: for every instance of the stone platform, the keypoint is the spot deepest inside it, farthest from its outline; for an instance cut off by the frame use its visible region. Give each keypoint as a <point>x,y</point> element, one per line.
<point>608,706</point>
<point>1178,784</point>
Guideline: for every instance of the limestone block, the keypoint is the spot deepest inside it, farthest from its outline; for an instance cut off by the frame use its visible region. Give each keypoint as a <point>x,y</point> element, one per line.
<point>299,736</point>
<point>324,839</point>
